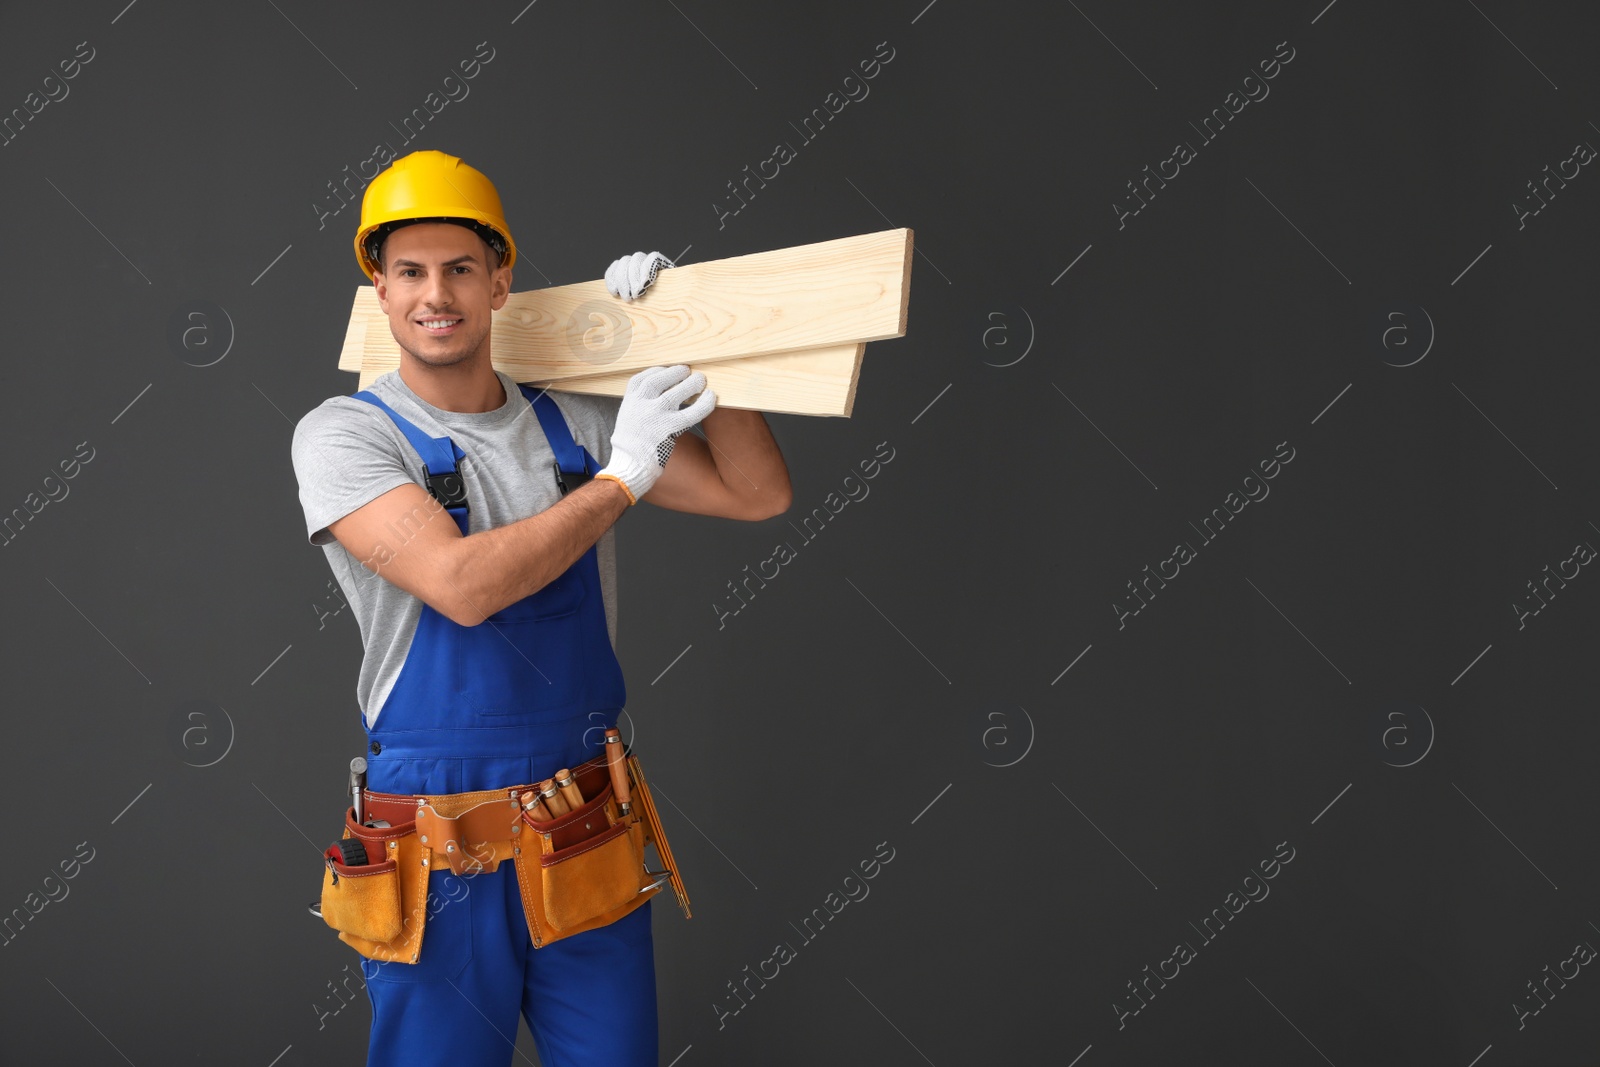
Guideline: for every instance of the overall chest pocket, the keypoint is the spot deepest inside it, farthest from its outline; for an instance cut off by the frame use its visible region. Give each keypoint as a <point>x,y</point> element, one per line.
<point>528,658</point>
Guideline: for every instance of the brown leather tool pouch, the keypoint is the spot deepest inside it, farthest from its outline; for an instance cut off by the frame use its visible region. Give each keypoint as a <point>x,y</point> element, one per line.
<point>584,869</point>
<point>379,909</point>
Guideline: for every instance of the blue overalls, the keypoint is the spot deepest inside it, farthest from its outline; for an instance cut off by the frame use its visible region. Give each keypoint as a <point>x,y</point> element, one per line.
<point>507,702</point>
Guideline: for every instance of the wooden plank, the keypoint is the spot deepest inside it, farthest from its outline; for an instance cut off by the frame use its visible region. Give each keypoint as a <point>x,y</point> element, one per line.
<point>820,381</point>
<point>815,382</point>
<point>833,294</point>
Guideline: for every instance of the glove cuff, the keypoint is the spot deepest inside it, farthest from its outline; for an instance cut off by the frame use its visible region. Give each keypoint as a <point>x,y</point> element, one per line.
<point>614,478</point>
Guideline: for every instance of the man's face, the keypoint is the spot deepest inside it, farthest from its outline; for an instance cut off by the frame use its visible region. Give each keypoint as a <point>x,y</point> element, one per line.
<point>438,291</point>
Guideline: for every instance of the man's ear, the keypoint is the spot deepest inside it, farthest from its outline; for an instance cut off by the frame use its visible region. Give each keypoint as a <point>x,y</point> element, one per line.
<point>381,285</point>
<point>500,288</point>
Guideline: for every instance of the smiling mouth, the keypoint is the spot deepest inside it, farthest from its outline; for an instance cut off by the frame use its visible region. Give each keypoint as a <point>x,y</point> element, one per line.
<point>439,326</point>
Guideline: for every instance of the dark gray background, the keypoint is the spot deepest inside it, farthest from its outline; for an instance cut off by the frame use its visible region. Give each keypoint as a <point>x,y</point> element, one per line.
<point>168,612</point>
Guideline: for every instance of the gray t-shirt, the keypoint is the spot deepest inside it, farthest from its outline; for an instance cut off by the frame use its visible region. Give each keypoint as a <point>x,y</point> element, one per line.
<point>348,452</point>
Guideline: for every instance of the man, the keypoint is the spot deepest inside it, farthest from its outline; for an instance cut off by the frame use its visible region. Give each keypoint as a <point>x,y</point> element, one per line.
<point>485,595</point>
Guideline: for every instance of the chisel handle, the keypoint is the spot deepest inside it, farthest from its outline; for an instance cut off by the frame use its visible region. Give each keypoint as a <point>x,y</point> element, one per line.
<point>569,789</point>
<point>552,798</point>
<point>619,770</point>
<point>534,807</point>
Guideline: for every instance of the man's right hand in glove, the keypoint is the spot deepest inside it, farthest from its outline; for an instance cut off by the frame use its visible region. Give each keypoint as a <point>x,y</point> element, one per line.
<point>648,423</point>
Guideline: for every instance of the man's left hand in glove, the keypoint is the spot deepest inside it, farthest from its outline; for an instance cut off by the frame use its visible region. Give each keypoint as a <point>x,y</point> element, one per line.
<point>631,275</point>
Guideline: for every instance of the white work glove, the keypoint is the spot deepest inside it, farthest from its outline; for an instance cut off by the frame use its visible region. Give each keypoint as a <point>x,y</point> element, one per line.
<point>631,275</point>
<point>649,422</point>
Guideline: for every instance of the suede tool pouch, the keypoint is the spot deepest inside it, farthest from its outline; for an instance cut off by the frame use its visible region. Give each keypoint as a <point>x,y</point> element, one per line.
<point>363,901</point>
<point>594,877</point>
<point>378,909</point>
<point>588,868</point>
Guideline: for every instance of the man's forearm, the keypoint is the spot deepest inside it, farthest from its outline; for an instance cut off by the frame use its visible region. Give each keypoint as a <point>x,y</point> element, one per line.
<point>501,566</point>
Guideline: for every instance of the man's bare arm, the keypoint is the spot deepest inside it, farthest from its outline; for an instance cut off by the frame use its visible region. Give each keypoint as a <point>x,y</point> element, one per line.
<point>737,472</point>
<point>406,537</point>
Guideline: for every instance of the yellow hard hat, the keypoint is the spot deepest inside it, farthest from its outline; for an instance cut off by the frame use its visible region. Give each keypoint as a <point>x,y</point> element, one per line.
<point>431,186</point>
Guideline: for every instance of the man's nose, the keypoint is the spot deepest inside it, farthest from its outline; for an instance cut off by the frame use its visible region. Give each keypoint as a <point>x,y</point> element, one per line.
<point>437,292</point>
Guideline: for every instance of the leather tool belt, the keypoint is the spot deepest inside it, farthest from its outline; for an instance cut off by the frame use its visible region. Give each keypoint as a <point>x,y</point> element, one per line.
<point>581,870</point>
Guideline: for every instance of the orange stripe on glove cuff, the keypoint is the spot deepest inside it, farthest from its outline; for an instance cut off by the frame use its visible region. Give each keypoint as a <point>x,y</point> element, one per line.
<point>613,478</point>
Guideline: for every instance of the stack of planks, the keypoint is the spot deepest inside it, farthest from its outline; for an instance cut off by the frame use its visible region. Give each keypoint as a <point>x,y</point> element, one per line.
<point>780,331</point>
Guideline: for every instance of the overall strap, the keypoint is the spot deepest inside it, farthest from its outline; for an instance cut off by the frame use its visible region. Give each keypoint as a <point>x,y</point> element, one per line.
<point>574,465</point>
<point>441,458</point>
